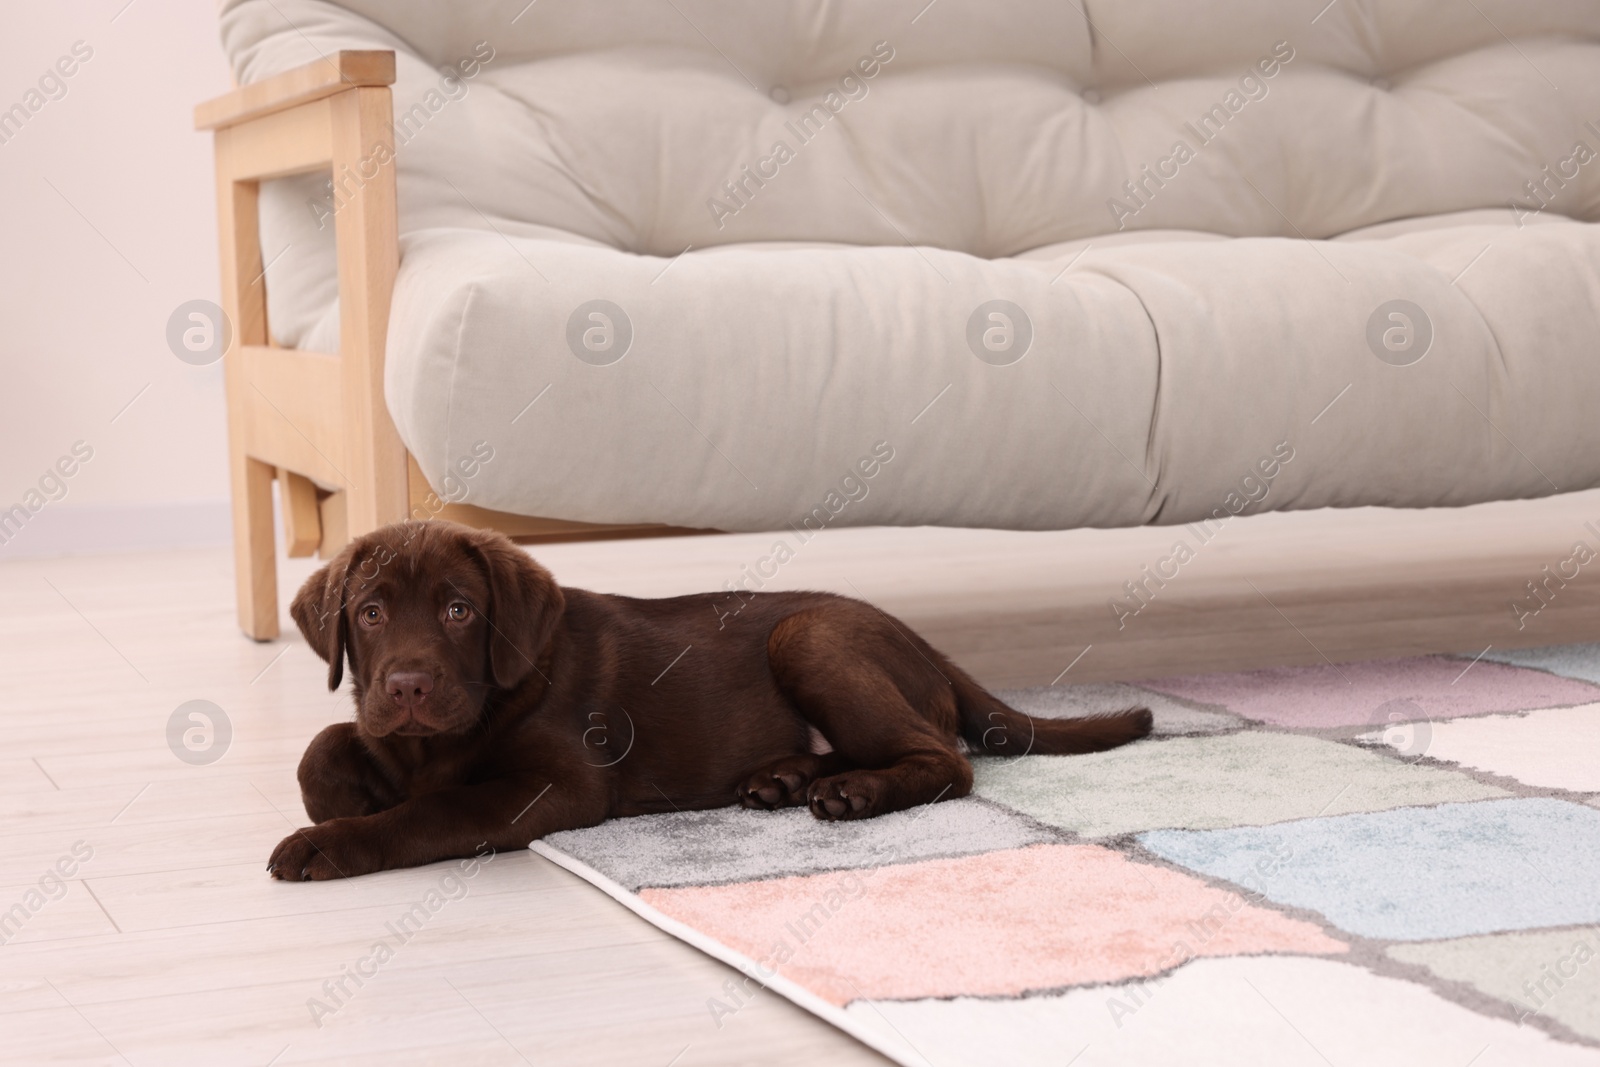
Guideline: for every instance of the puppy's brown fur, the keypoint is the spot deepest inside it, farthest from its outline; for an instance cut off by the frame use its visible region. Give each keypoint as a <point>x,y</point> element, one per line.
<point>494,707</point>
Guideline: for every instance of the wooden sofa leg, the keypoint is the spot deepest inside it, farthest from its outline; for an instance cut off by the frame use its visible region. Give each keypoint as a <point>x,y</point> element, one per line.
<point>302,525</point>
<point>333,514</point>
<point>255,568</point>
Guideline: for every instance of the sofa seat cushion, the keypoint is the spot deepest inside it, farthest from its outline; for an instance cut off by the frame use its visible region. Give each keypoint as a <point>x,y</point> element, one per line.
<point>1166,375</point>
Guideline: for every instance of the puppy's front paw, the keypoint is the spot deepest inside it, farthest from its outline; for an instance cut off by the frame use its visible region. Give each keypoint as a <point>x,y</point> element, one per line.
<point>332,849</point>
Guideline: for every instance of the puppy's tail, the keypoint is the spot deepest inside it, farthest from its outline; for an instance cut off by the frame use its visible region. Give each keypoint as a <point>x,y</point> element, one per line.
<point>990,726</point>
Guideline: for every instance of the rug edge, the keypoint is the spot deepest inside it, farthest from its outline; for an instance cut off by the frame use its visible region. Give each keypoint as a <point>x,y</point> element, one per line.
<point>792,991</point>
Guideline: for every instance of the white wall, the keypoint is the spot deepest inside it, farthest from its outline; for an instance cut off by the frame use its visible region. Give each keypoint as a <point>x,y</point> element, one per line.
<point>107,223</point>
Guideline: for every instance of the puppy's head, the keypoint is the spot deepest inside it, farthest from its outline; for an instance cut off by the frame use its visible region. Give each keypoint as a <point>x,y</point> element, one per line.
<point>432,617</point>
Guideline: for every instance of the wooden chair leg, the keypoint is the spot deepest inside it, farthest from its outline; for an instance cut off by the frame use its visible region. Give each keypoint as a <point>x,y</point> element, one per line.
<point>255,567</point>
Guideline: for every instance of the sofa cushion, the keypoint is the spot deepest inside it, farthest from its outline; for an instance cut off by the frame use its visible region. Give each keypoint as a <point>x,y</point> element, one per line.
<point>1166,377</point>
<point>1249,187</point>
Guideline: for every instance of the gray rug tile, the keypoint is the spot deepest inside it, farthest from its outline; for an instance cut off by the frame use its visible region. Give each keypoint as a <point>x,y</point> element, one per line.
<point>736,844</point>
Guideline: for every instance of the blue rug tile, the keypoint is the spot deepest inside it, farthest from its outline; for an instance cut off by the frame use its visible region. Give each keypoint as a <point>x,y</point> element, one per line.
<point>1412,874</point>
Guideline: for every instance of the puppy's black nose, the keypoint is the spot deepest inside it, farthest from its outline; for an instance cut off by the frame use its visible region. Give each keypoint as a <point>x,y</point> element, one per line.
<point>409,688</point>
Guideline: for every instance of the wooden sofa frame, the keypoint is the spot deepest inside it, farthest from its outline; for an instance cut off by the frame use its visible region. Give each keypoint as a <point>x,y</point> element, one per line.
<point>317,423</point>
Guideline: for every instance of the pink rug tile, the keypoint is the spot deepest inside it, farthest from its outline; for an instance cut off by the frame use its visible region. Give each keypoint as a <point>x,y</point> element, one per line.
<point>981,926</point>
<point>1378,692</point>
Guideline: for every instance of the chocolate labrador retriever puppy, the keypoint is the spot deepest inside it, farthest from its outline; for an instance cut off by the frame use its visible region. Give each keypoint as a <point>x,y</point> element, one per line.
<point>494,707</point>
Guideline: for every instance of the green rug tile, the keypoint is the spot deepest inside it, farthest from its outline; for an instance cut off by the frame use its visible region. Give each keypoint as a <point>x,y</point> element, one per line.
<point>1555,973</point>
<point>1245,779</point>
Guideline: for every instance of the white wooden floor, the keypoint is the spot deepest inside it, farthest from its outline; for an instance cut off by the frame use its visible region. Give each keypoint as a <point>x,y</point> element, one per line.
<point>169,944</point>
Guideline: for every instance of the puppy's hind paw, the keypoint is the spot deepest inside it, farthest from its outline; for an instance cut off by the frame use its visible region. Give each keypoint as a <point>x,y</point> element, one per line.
<point>844,796</point>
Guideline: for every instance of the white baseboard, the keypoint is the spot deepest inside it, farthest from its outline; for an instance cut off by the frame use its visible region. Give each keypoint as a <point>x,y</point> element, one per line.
<point>76,530</point>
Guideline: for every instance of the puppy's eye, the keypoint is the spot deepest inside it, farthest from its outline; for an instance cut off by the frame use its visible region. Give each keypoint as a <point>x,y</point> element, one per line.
<point>459,612</point>
<point>371,615</point>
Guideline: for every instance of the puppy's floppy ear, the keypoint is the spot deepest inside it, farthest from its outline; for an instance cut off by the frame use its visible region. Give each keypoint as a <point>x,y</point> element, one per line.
<point>318,609</point>
<point>524,605</point>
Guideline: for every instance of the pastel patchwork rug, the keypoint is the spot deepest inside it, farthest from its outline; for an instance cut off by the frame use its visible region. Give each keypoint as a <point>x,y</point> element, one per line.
<point>1394,862</point>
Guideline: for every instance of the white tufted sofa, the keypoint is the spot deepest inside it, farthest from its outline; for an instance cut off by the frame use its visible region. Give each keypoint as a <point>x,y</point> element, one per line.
<point>1067,265</point>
